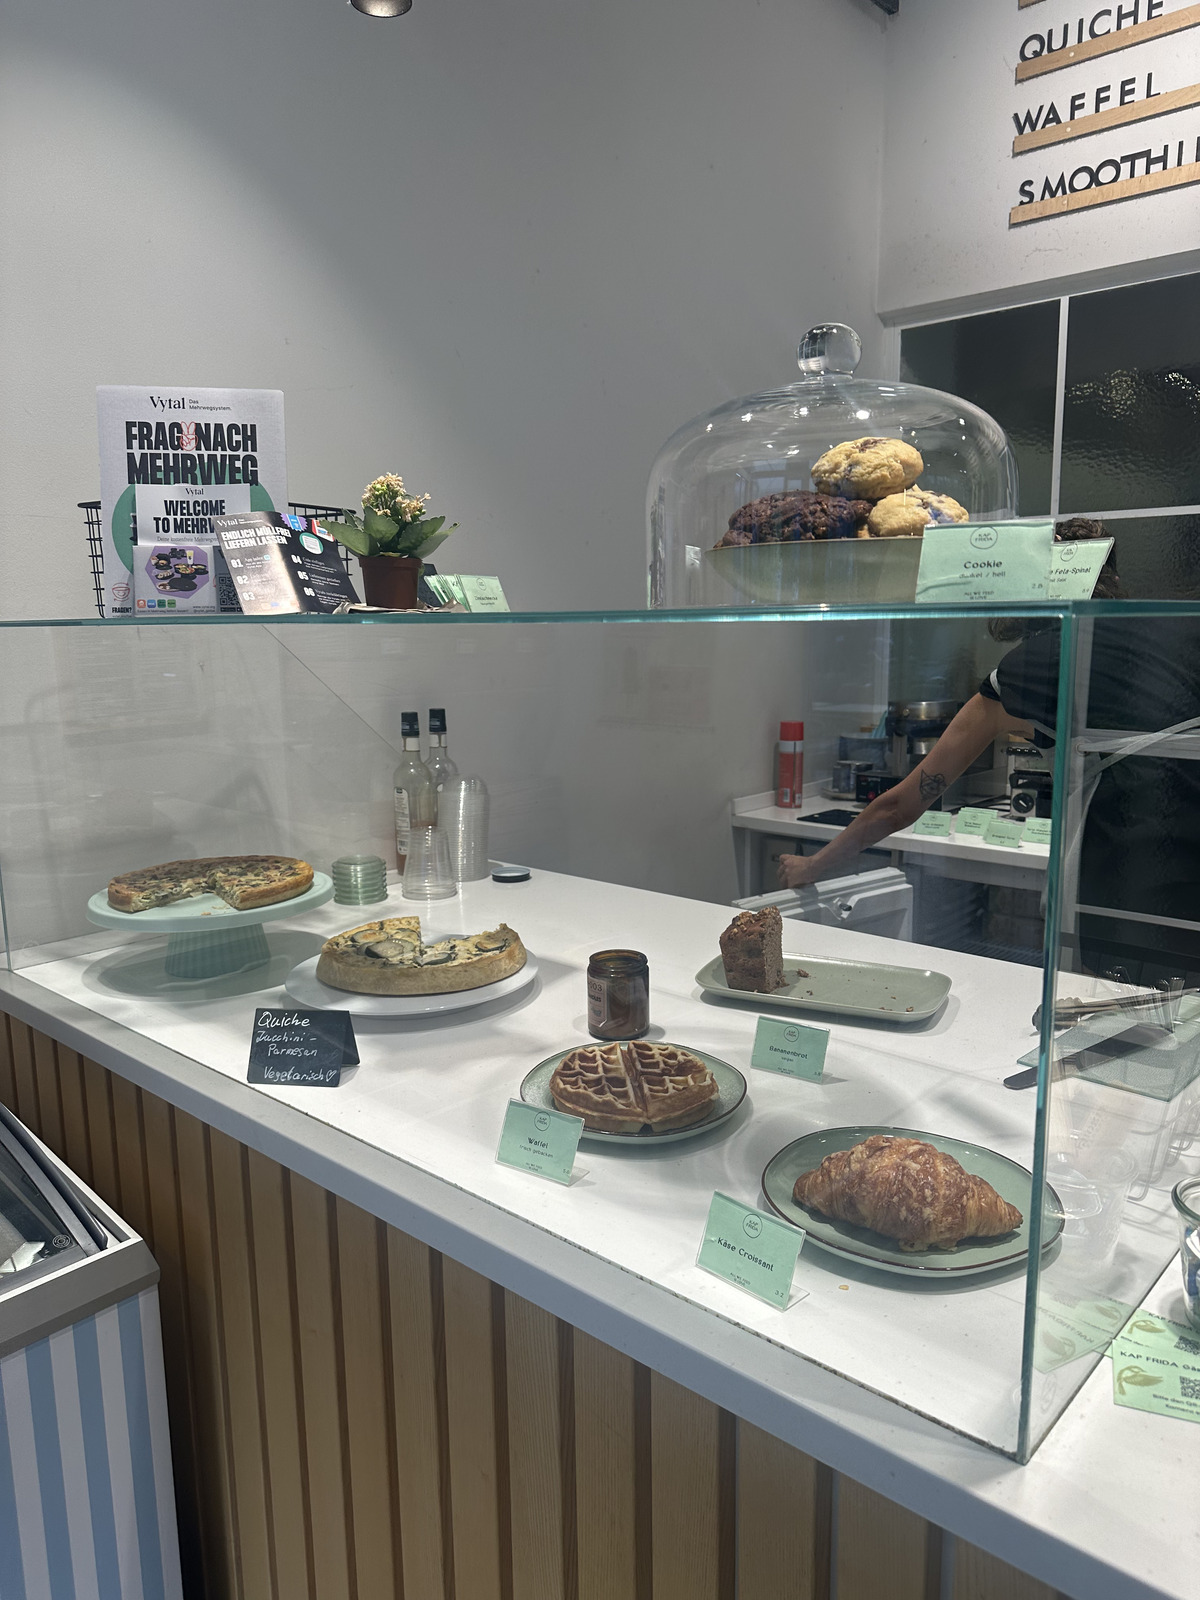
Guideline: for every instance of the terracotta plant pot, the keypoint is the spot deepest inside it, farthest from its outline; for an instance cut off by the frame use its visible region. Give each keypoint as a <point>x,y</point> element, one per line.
<point>390,581</point>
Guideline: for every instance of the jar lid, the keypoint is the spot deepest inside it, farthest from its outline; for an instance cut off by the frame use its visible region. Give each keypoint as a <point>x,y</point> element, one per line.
<point>618,961</point>
<point>791,730</point>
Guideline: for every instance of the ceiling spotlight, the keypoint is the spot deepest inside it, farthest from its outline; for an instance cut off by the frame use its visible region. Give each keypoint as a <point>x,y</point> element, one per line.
<point>382,8</point>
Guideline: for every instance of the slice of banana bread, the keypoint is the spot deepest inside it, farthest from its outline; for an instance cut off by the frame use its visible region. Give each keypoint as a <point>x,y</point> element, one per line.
<point>752,950</point>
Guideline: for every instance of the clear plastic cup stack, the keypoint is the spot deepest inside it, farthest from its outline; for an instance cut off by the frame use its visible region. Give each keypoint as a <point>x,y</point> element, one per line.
<point>463,813</point>
<point>428,873</point>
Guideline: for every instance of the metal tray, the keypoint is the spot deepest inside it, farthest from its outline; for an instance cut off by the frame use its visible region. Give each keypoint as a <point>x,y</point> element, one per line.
<point>842,989</point>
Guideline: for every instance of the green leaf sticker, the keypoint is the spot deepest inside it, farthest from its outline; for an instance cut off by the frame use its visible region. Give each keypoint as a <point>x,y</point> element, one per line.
<point>751,1250</point>
<point>538,1141</point>
<point>1134,1375</point>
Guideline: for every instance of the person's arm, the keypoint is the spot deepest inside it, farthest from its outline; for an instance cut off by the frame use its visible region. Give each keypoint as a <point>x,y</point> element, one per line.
<point>968,736</point>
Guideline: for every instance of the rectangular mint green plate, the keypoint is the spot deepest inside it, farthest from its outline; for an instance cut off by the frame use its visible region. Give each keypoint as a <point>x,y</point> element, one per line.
<point>842,989</point>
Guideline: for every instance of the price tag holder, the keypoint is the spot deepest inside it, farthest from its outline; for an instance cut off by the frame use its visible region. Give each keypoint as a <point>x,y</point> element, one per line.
<point>1156,1367</point>
<point>1074,567</point>
<point>973,820</point>
<point>933,825</point>
<point>301,1049</point>
<point>795,1049</point>
<point>752,1251</point>
<point>1037,830</point>
<point>1004,832</point>
<point>977,561</point>
<point>539,1141</point>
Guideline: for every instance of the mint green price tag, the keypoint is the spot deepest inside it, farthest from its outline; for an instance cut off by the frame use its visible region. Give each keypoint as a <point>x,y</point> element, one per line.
<point>933,825</point>
<point>482,594</point>
<point>973,819</point>
<point>1156,1367</point>
<point>755,1252</point>
<point>1037,830</point>
<point>792,1048</point>
<point>978,561</point>
<point>1074,567</point>
<point>1004,831</point>
<point>543,1142</point>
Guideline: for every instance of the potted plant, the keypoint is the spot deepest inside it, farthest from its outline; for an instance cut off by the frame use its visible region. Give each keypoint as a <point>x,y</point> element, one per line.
<point>390,541</point>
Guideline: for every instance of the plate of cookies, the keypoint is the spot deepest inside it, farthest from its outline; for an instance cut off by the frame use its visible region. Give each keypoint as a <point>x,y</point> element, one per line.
<point>854,536</point>
<point>639,1091</point>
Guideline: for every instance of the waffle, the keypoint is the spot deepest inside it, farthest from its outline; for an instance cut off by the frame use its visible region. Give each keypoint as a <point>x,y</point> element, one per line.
<point>622,1088</point>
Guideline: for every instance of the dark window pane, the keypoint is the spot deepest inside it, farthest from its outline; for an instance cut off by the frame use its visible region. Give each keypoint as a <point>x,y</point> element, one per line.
<point>1005,362</point>
<point>1131,419</point>
<point>1158,558</point>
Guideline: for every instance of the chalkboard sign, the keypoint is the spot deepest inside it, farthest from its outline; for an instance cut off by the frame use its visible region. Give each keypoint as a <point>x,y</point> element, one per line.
<point>298,1048</point>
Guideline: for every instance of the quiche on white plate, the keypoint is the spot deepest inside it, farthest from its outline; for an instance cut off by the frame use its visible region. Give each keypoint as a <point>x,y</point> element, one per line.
<point>390,957</point>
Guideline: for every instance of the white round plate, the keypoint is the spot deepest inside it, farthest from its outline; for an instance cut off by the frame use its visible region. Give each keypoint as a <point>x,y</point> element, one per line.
<point>307,989</point>
<point>202,912</point>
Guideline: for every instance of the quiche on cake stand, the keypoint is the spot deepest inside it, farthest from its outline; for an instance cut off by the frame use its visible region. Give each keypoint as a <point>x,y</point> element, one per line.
<point>392,967</point>
<point>212,909</point>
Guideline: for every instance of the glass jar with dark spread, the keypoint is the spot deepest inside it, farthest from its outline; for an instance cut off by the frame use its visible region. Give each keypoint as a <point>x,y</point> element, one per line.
<point>618,988</point>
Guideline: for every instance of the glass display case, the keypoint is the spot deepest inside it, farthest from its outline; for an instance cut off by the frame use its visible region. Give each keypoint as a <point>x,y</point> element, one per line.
<point>1025,1007</point>
<point>818,492</point>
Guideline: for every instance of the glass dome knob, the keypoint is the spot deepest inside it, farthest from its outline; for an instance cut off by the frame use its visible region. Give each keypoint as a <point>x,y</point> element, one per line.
<point>829,347</point>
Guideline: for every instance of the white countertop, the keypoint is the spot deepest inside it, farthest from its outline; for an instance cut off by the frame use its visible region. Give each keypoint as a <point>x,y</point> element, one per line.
<point>792,821</point>
<point>411,1135</point>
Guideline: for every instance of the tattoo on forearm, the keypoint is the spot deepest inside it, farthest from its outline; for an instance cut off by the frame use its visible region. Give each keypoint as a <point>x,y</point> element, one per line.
<point>932,785</point>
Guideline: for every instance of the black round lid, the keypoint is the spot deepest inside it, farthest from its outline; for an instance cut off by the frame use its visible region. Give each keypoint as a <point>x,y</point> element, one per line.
<point>437,719</point>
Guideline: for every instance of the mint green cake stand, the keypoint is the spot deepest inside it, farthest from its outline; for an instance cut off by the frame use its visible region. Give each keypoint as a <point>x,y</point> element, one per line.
<point>205,937</point>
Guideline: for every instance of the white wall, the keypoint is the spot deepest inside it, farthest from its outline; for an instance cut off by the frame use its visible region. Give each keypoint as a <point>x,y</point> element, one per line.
<point>950,177</point>
<point>504,249</point>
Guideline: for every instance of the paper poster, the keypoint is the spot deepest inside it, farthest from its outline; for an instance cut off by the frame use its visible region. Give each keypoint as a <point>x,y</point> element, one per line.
<point>203,443</point>
<point>978,561</point>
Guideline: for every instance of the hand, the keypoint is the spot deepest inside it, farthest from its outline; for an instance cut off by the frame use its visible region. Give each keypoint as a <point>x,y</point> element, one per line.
<point>796,871</point>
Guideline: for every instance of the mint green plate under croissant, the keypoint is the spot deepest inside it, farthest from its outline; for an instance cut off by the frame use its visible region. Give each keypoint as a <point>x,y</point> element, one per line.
<point>1009,1179</point>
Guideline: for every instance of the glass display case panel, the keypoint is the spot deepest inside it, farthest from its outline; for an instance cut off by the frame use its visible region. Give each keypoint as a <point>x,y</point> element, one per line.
<point>1120,1115</point>
<point>1131,412</point>
<point>631,764</point>
<point>817,493</point>
<point>1007,363</point>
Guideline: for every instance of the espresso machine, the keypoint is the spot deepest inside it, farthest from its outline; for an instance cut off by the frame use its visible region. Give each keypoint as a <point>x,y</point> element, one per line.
<point>912,728</point>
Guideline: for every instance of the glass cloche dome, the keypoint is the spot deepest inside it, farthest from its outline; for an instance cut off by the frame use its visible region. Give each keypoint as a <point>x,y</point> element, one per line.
<point>818,493</point>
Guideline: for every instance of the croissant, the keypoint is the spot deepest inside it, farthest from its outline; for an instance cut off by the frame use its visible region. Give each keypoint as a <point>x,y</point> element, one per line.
<point>907,1190</point>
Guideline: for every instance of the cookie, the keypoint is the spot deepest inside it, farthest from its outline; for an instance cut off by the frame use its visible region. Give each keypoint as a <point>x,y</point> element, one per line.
<point>800,515</point>
<point>868,469</point>
<point>904,515</point>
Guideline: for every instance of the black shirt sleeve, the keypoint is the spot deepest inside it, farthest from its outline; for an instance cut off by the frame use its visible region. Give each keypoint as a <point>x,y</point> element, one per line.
<point>1026,684</point>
